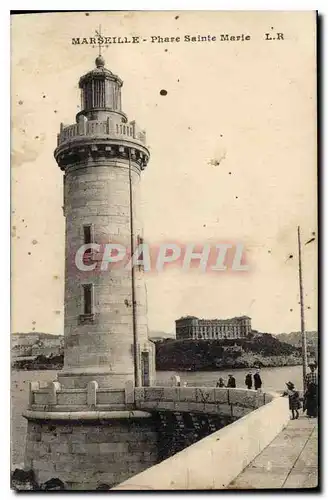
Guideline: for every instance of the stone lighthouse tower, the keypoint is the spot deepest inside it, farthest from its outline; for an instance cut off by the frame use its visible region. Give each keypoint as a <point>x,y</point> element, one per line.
<point>84,428</point>
<point>102,156</point>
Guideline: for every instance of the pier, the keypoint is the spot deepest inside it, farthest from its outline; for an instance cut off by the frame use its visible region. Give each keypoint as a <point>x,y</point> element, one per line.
<point>290,460</point>
<point>263,449</point>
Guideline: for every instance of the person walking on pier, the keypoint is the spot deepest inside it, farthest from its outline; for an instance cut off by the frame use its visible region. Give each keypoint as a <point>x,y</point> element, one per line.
<point>257,380</point>
<point>231,382</point>
<point>311,392</point>
<point>248,380</point>
<point>294,399</point>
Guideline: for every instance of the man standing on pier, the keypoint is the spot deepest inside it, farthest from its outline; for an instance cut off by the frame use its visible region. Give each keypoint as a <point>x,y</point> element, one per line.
<point>231,381</point>
<point>257,380</point>
<point>311,394</point>
<point>248,380</point>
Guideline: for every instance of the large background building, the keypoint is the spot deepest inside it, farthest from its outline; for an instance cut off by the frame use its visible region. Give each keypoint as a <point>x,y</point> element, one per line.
<point>191,327</point>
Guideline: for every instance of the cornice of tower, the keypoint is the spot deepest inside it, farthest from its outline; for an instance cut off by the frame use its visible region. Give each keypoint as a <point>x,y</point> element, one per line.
<point>81,150</point>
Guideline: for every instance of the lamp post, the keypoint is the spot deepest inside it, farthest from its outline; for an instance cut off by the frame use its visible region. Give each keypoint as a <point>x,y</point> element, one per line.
<point>137,381</point>
<point>303,333</point>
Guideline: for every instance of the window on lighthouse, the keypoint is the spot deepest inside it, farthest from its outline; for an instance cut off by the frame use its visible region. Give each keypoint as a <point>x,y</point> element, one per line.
<point>87,235</point>
<point>87,299</point>
<point>140,241</point>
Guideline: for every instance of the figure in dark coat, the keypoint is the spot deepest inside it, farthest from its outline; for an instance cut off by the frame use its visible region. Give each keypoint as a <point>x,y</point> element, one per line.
<point>248,380</point>
<point>231,382</point>
<point>311,393</point>
<point>257,380</point>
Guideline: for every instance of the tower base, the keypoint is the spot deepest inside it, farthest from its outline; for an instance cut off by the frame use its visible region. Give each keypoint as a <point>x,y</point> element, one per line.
<point>89,450</point>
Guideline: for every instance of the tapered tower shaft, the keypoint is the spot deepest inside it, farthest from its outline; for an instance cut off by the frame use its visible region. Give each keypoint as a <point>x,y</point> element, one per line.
<point>102,156</point>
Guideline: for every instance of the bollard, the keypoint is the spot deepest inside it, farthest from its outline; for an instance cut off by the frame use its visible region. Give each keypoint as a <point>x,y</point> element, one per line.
<point>92,393</point>
<point>129,392</point>
<point>53,387</point>
<point>32,386</point>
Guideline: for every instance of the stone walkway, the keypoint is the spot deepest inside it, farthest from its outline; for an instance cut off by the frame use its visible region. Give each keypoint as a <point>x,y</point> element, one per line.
<point>290,461</point>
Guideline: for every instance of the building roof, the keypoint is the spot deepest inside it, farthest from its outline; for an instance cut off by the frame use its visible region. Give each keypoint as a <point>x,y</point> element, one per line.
<point>215,319</point>
<point>99,72</point>
<point>187,317</point>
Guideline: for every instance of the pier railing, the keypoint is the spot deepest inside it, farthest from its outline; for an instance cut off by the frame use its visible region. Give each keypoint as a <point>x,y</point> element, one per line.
<point>234,403</point>
<point>56,398</point>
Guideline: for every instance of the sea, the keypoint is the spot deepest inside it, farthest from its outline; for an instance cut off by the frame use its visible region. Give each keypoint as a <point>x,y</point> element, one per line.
<point>274,379</point>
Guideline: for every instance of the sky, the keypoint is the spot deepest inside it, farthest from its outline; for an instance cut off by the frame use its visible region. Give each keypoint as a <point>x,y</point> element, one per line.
<point>251,105</point>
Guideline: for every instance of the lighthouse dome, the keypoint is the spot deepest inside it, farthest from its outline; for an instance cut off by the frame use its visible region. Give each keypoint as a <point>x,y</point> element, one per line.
<point>100,62</point>
<point>100,92</point>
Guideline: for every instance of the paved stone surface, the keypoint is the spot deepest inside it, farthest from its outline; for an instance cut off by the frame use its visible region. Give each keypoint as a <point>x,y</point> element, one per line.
<point>290,461</point>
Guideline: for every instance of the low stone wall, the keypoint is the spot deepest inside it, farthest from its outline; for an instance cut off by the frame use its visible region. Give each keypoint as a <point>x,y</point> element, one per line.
<point>216,460</point>
<point>55,398</point>
<point>233,403</point>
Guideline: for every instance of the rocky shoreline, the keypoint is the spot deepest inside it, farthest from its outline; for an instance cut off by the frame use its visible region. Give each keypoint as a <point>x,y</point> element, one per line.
<point>207,355</point>
<point>200,355</point>
<point>244,361</point>
<point>251,362</point>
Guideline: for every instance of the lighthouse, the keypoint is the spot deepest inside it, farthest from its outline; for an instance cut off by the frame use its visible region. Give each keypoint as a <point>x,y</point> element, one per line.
<point>84,428</point>
<point>102,156</point>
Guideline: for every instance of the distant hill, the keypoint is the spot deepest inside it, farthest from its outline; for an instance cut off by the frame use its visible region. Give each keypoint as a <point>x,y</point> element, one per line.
<point>23,343</point>
<point>261,349</point>
<point>159,335</point>
<point>295,339</point>
<point>41,335</point>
